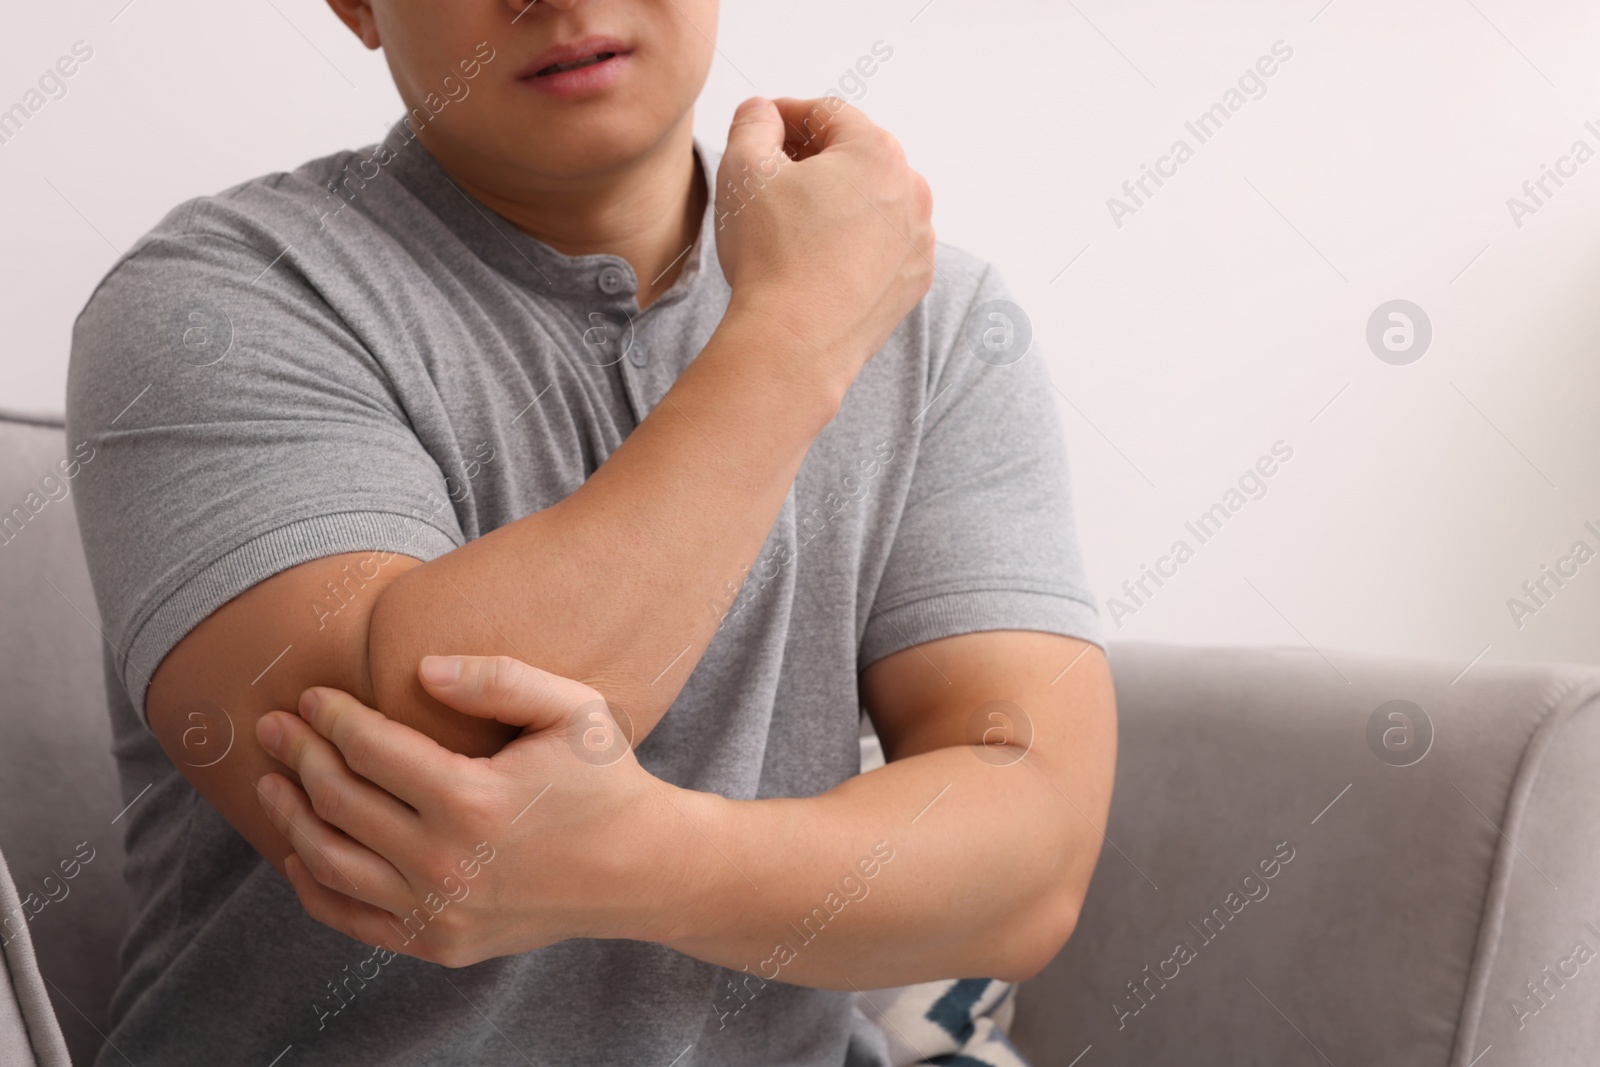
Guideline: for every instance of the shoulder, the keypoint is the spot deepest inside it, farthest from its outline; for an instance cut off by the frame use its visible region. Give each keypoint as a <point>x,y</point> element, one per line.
<point>969,316</point>
<point>242,269</point>
<point>207,240</point>
<point>961,280</point>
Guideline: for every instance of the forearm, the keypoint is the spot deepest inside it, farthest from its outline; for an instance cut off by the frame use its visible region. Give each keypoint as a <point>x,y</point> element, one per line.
<point>936,866</point>
<point>623,583</point>
<point>609,585</point>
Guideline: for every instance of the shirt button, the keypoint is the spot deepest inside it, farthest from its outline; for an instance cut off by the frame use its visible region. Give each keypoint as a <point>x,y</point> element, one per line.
<point>638,356</point>
<point>612,280</point>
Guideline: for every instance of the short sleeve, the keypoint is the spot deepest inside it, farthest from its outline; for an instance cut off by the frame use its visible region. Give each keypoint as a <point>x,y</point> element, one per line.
<point>986,539</point>
<point>230,426</point>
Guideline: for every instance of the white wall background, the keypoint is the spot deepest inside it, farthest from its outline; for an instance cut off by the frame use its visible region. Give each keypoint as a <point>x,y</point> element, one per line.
<point>1227,314</point>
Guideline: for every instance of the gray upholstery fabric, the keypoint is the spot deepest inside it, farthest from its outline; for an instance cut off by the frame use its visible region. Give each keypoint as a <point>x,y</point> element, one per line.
<point>28,1031</point>
<point>1417,908</point>
<point>1414,906</point>
<point>58,782</point>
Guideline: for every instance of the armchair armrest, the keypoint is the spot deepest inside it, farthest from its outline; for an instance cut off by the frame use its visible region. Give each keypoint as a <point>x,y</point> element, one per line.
<point>1294,876</point>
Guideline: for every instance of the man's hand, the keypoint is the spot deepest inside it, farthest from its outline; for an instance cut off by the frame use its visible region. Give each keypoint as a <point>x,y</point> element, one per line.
<point>967,854</point>
<point>401,842</point>
<point>823,230</point>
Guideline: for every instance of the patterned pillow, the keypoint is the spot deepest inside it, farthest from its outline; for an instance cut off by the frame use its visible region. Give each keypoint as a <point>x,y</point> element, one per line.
<point>959,1023</point>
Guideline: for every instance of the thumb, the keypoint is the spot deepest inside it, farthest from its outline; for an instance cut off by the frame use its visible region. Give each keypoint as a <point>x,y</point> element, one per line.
<point>756,132</point>
<point>505,689</point>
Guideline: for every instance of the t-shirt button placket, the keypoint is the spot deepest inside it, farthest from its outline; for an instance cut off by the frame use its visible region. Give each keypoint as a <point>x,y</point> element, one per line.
<point>612,280</point>
<point>637,355</point>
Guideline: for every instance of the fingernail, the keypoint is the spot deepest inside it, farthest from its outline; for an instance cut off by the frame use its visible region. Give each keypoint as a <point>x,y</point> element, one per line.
<point>269,732</point>
<point>441,670</point>
<point>310,701</point>
<point>267,789</point>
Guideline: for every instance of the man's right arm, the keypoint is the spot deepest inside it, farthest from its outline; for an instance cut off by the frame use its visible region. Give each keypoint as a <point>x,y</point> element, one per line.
<point>619,585</point>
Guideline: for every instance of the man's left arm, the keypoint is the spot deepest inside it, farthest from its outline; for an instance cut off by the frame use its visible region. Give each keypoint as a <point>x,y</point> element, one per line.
<point>968,854</point>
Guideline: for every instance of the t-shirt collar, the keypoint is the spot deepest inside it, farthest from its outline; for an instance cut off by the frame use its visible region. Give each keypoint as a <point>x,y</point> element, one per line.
<point>595,277</point>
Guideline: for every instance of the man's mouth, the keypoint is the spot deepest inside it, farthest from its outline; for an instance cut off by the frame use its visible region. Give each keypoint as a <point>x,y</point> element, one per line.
<point>577,64</point>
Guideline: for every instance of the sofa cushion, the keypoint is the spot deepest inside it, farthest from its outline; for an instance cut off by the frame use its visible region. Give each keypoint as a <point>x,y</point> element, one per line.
<point>59,792</point>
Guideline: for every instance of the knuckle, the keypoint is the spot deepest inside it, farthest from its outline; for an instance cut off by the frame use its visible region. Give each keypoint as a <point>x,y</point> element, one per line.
<point>477,806</point>
<point>293,748</point>
<point>433,873</point>
<point>326,799</point>
<point>455,957</point>
<point>322,868</point>
<point>357,751</point>
<point>882,144</point>
<point>500,675</point>
<point>890,150</point>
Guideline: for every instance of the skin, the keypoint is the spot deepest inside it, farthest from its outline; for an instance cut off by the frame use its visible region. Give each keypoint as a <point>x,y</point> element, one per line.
<point>627,192</point>
<point>585,850</point>
<point>367,811</point>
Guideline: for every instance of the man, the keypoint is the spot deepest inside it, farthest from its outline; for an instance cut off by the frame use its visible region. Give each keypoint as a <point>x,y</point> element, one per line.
<point>579,490</point>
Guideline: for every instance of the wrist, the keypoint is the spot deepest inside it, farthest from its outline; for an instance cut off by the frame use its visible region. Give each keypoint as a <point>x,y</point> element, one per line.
<point>760,334</point>
<point>691,879</point>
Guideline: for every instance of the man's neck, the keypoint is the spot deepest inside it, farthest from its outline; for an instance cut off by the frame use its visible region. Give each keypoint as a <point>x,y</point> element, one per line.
<point>648,213</point>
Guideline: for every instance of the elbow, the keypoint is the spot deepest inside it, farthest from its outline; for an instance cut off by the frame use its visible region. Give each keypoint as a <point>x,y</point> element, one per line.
<point>392,637</point>
<point>406,625</point>
<point>1040,935</point>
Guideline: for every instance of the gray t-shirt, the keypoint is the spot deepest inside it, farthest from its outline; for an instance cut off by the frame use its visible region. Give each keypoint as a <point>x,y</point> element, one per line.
<point>359,356</point>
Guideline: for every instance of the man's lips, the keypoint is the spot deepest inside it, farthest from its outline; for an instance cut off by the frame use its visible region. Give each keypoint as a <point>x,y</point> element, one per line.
<point>575,55</point>
<point>562,68</point>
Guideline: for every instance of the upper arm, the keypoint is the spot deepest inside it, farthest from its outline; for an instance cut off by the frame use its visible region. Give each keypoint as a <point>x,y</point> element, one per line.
<point>248,447</point>
<point>1040,704</point>
<point>964,642</point>
<point>257,653</point>
<point>1049,696</point>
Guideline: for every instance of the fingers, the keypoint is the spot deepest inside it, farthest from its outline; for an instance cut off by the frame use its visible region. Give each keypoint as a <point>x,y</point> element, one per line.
<point>502,688</point>
<point>333,859</point>
<point>353,918</point>
<point>338,795</point>
<point>810,126</point>
<point>391,755</point>
<point>756,131</point>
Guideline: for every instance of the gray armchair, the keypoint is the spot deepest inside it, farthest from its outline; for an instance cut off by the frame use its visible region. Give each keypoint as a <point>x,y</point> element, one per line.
<point>1291,875</point>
